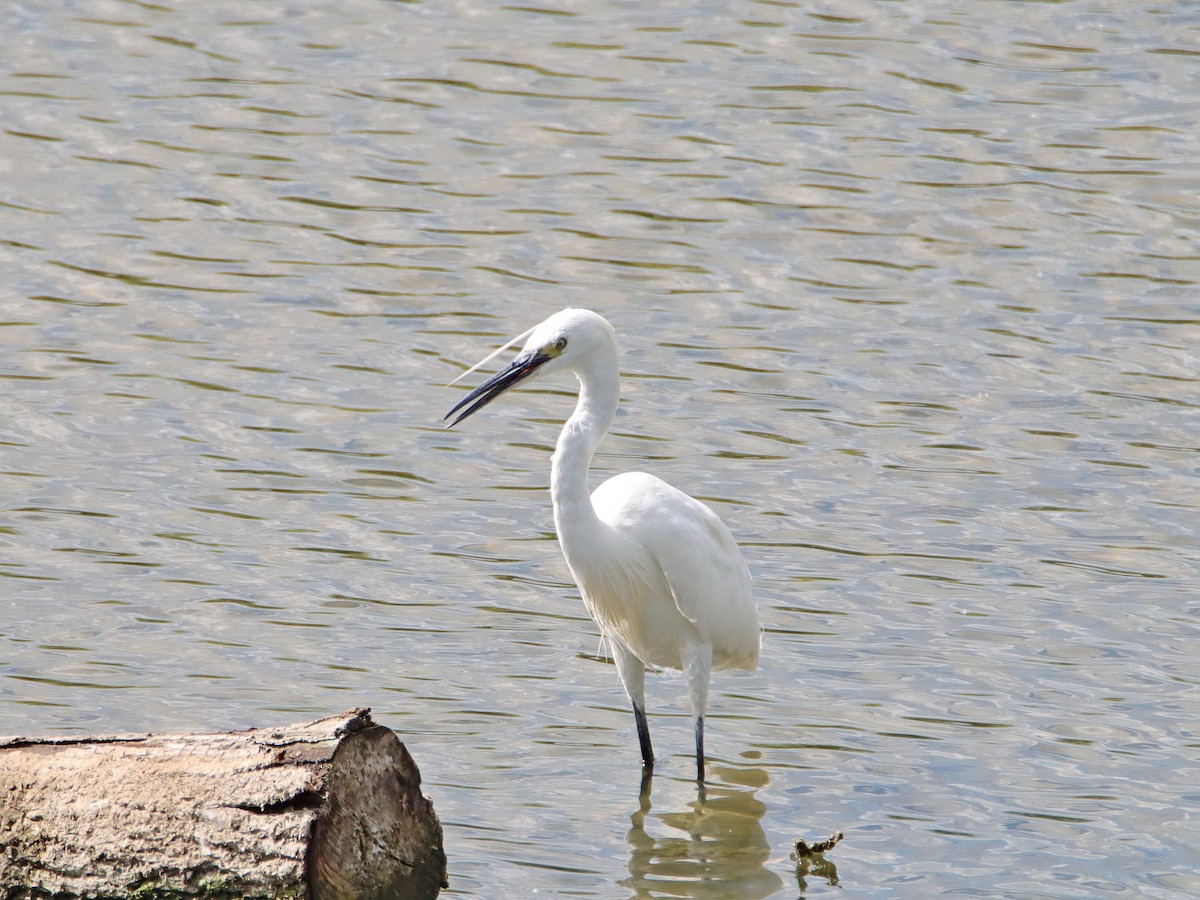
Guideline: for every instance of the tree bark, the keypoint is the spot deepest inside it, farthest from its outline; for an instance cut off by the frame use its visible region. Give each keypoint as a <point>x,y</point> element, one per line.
<point>330,810</point>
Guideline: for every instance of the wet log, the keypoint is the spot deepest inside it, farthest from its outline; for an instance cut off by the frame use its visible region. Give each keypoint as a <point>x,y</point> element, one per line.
<point>330,810</point>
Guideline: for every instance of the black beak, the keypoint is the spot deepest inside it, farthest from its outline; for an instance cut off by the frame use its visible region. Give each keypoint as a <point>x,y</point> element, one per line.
<point>520,369</point>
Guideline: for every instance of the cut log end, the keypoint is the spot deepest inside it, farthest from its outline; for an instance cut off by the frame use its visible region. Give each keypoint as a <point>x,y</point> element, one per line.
<point>327,809</point>
<point>376,835</point>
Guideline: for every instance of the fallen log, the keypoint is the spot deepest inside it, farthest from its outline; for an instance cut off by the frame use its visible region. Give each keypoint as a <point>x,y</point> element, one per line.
<point>329,810</point>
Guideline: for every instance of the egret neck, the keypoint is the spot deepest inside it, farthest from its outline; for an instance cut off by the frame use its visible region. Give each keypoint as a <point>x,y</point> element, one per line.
<point>575,518</point>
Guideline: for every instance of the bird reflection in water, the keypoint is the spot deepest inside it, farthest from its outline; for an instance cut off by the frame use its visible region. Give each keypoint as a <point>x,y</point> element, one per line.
<point>716,847</point>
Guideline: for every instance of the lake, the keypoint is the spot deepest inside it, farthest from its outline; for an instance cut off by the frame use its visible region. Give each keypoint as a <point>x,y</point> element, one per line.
<point>906,292</point>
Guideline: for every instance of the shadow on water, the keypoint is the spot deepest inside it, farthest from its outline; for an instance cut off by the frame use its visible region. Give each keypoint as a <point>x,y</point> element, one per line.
<point>715,848</point>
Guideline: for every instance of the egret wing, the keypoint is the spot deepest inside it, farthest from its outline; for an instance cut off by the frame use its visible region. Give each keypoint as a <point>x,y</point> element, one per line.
<point>697,555</point>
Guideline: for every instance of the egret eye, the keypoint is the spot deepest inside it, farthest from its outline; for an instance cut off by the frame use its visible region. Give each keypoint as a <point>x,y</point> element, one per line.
<point>560,344</point>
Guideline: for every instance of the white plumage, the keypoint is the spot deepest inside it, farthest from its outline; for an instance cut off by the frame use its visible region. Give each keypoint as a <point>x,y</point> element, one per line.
<point>659,571</point>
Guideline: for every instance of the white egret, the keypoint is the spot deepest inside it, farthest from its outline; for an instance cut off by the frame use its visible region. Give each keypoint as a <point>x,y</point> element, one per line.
<point>659,571</point>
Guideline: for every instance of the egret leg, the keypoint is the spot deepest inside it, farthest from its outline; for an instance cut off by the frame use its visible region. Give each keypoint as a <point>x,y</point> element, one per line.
<point>633,678</point>
<point>644,738</point>
<point>697,666</point>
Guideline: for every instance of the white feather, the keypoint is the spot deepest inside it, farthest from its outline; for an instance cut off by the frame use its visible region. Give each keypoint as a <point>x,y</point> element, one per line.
<point>487,359</point>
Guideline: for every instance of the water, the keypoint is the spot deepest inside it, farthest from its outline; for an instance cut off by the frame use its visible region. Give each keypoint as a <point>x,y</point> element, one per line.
<point>906,291</point>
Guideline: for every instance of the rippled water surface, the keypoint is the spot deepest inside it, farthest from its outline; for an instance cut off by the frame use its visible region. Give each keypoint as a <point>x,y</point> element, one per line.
<point>907,291</point>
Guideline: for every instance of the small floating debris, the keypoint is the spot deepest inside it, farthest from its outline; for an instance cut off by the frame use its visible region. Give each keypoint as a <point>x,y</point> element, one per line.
<point>804,849</point>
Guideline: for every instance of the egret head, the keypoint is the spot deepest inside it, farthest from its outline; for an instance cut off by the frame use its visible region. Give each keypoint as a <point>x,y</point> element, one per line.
<point>568,340</point>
